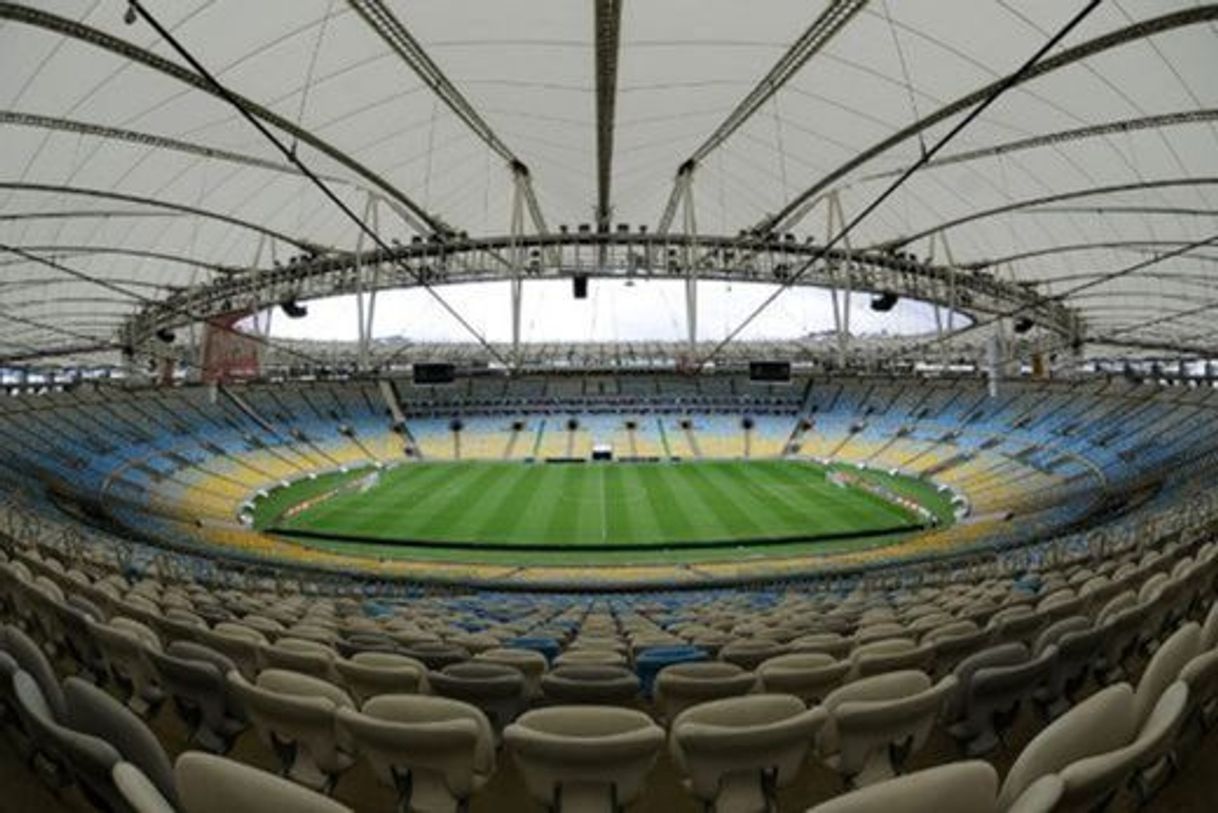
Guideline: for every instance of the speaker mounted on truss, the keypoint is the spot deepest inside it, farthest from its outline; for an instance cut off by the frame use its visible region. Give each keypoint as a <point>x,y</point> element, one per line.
<point>884,301</point>
<point>293,309</point>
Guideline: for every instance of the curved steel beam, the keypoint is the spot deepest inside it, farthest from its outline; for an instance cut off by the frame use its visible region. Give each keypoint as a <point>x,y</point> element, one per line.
<point>1031,202</point>
<point>1183,278</point>
<point>1062,136</point>
<point>1173,211</point>
<point>152,140</point>
<point>606,27</point>
<point>32,353</point>
<point>817,35</point>
<point>80,214</point>
<point>161,204</point>
<point>93,36</point>
<point>62,300</point>
<point>1131,33</point>
<point>1109,295</point>
<point>66,250</point>
<point>39,282</point>
<point>977,265</point>
<point>1190,313</point>
<point>381,19</point>
<point>85,339</point>
<point>616,255</point>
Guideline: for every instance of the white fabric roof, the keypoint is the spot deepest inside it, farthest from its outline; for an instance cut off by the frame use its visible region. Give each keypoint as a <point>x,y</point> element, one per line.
<point>527,67</point>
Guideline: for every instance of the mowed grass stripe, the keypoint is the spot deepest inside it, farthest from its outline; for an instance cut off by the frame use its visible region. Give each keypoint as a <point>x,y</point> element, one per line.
<point>733,514</point>
<point>849,508</point>
<point>516,522</point>
<point>466,500</point>
<point>854,507</point>
<point>495,522</point>
<point>336,513</point>
<point>776,495</point>
<point>663,510</point>
<point>469,510</point>
<point>665,504</point>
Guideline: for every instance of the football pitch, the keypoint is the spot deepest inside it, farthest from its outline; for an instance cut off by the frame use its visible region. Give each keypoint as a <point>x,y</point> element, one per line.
<point>674,511</point>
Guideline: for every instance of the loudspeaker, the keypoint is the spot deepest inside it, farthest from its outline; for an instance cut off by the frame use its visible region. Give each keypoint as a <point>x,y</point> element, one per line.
<point>579,286</point>
<point>883,301</point>
<point>293,309</point>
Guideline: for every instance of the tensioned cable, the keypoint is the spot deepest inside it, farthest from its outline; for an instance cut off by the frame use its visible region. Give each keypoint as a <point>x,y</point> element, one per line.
<point>1010,81</point>
<point>291,156</point>
<point>308,85</point>
<point>909,91</point>
<point>1098,280</point>
<point>147,300</point>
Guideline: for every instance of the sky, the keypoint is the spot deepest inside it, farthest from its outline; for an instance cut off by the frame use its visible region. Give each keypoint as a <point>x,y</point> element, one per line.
<point>614,311</point>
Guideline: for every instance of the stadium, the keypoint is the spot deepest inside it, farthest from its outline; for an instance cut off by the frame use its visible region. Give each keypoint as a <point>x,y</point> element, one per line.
<point>598,407</point>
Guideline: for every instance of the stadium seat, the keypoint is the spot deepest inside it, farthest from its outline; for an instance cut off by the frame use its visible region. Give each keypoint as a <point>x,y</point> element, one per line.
<point>1100,724</point>
<point>294,715</point>
<point>809,676</point>
<point>961,787</point>
<point>300,655</point>
<point>953,642</point>
<point>137,791</point>
<point>369,674</point>
<point>546,646</point>
<point>1078,644</point>
<point>530,663</point>
<point>1143,763</point>
<point>956,708</point>
<point>994,697</point>
<point>650,660</point>
<point>891,655</point>
<point>195,678</point>
<point>76,615</point>
<point>436,655</point>
<point>584,758</point>
<point>498,690</point>
<point>738,752</point>
<point>590,657</point>
<point>212,784</point>
<point>29,658</point>
<point>750,653</point>
<point>875,724</point>
<point>1119,638</point>
<point>123,642</point>
<point>1164,669</point>
<point>62,755</point>
<point>681,685</point>
<point>598,685</point>
<point>240,644</point>
<point>434,751</point>
<point>828,643</point>
<point>1201,676</point>
<point>93,712</point>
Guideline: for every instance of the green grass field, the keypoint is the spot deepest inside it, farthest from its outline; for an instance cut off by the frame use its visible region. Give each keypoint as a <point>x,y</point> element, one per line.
<point>493,511</point>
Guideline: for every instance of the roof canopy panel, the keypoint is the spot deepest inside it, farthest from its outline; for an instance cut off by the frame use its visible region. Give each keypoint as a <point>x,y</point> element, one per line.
<point>120,162</point>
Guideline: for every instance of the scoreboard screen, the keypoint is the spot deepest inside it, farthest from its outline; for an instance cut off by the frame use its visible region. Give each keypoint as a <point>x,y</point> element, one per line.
<point>434,374</point>
<point>769,371</point>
